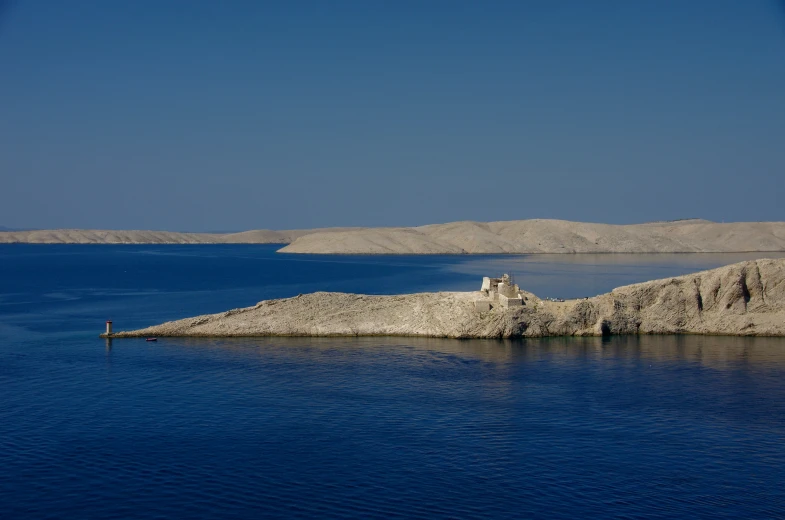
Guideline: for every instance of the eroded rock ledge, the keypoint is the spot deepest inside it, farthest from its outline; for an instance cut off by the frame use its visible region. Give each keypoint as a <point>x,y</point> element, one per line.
<point>747,299</point>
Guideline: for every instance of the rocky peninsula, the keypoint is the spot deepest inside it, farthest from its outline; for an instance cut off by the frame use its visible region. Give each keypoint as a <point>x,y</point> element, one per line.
<point>746,298</point>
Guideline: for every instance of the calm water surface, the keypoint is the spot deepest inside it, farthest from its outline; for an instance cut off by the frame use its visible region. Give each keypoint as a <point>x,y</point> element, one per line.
<point>653,427</point>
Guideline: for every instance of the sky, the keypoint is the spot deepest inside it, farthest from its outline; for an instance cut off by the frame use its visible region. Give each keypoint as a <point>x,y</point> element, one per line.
<point>218,116</point>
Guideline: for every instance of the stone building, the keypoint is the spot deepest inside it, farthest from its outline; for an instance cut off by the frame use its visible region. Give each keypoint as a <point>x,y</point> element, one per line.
<point>499,291</point>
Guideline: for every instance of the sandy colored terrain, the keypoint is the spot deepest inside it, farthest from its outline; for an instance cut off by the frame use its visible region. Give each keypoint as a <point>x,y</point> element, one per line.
<point>374,241</point>
<point>516,236</point>
<point>267,236</point>
<point>550,236</point>
<point>747,298</point>
<point>97,236</point>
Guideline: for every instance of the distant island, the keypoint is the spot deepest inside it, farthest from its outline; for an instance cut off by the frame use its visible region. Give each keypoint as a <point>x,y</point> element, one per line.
<point>746,299</point>
<point>104,236</point>
<point>505,237</point>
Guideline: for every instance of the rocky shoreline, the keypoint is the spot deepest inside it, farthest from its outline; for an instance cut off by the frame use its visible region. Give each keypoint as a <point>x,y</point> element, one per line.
<point>744,299</point>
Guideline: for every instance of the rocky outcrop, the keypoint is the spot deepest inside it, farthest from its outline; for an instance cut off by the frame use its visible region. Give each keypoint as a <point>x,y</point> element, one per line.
<point>747,298</point>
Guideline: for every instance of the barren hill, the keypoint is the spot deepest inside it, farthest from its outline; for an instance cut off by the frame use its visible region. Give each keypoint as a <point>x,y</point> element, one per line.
<point>747,298</point>
<point>97,236</point>
<point>550,236</point>
<point>515,236</point>
<point>267,236</point>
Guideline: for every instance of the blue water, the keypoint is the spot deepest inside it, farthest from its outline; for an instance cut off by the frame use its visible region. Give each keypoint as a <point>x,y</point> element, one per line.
<point>649,427</point>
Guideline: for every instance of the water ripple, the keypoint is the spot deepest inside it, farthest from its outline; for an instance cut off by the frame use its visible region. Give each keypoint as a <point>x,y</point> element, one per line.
<point>378,428</point>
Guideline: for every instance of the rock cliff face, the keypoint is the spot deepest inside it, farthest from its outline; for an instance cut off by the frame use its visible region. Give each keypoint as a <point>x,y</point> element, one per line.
<point>747,298</point>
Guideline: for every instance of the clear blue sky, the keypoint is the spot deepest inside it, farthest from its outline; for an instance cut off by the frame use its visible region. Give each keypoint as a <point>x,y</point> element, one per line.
<point>208,115</point>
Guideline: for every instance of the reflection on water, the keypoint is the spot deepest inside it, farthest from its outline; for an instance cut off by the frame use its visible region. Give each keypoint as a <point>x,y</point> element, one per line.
<point>670,426</point>
<point>717,352</point>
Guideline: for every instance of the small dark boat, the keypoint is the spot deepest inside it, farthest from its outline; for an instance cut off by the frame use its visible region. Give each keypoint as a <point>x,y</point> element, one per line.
<point>152,339</point>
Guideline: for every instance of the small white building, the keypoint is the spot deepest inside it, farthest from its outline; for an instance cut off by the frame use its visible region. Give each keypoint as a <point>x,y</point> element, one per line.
<point>498,290</point>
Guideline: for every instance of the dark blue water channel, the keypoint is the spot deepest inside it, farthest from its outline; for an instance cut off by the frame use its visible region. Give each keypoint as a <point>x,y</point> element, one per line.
<point>649,427</point>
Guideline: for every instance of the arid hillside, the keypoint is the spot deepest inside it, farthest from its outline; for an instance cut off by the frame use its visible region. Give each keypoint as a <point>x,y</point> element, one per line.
<point>516,236</point>
<point>549,236</point>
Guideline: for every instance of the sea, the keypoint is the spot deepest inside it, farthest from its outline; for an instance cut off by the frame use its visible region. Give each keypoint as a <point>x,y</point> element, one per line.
<point>618,427</point>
